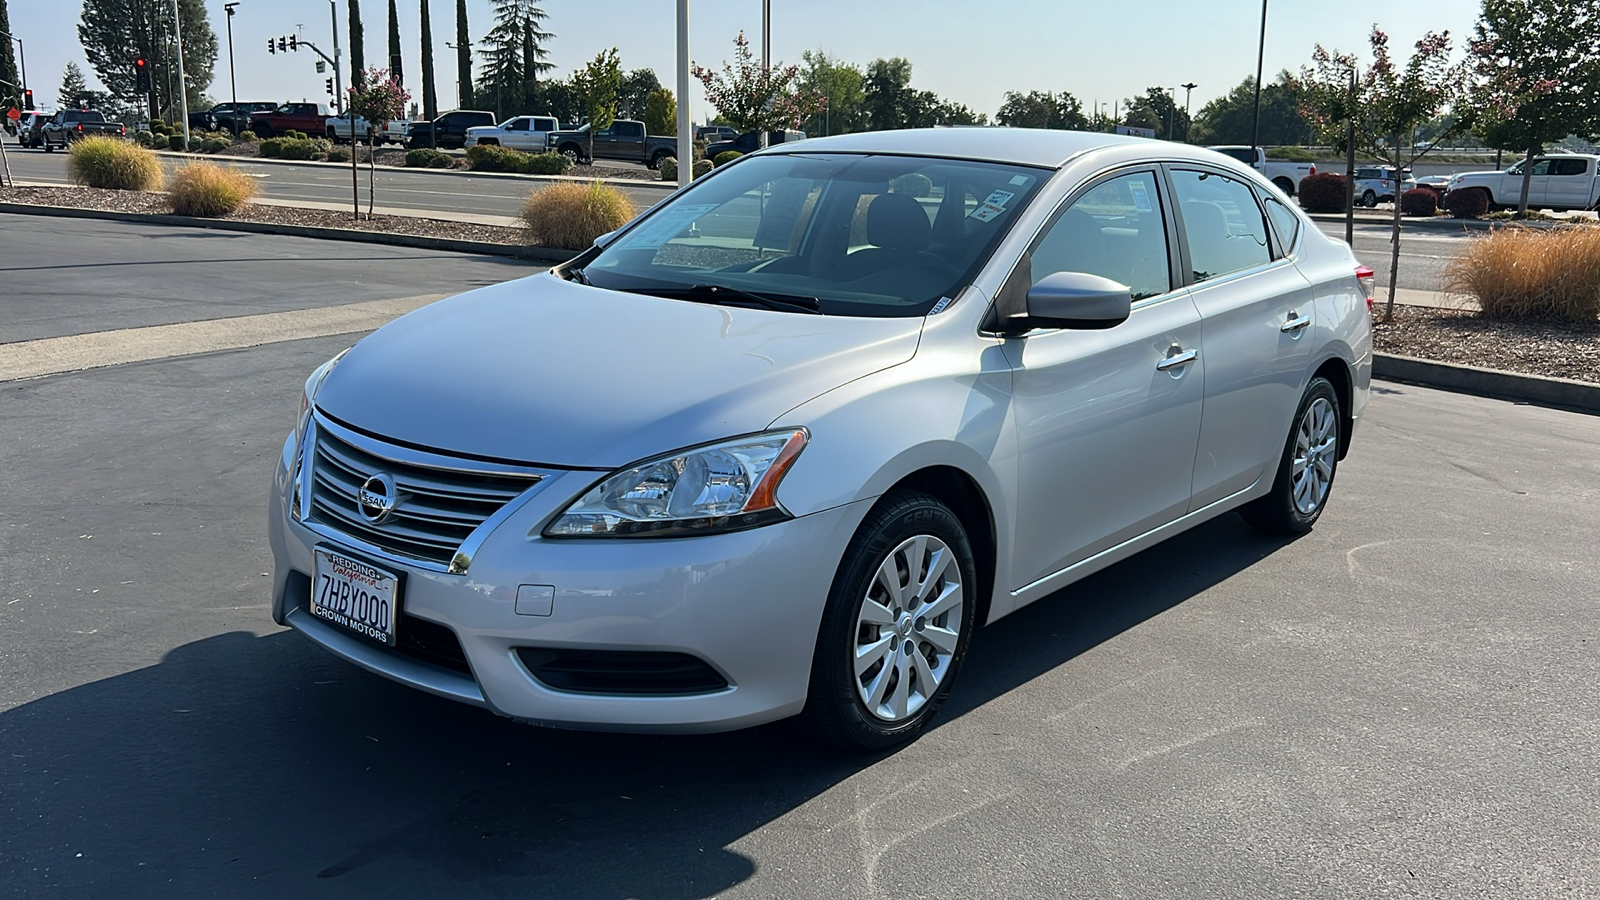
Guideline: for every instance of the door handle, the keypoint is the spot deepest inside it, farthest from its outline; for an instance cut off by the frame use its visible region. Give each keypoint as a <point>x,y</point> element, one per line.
<point>1295,323</point>
<point>1178,359</point>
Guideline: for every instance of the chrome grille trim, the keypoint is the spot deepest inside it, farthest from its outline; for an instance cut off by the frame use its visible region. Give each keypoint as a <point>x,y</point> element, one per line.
<point>447,505</point>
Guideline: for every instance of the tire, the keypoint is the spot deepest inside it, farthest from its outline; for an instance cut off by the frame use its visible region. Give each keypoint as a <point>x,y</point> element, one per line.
<point>905,532</point>
<point>655,161</point>
<point>572,153</point>
<point>49,147</point>
<point>263,130</point>
<point>1369,199</point>
<point>1286,186</point>
<point>1297,499</point>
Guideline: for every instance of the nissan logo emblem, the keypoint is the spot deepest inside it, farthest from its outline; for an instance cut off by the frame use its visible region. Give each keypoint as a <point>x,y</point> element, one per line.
<point>377,498</point>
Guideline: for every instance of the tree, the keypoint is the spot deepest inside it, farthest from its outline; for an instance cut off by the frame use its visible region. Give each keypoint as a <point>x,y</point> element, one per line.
<point>753,97</point>
<point>430,97</point>
<point>1159,112</point>
<point>11,90</point>
<point>463,58</point>
<point>114,32</point>
<point>396,69</point>
<point>556,98</point>
<point>596,86</point>
<point>73,86</point>
<point>514,57</point>
<point>358,39</point>
<point>888,99</point>
<point>1228,119</point>
<point>1042,109</point>
<point>635,92</point>
<point>841,87</point>
<point>1539,70</point>
<point>661,112</point>
<point>377,97</point>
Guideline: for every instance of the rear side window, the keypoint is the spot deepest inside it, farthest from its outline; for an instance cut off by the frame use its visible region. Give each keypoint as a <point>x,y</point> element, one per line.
<point>1569,167</point>
<point>1224,225</point>
<point>1284,222</point>
<point>628,129</point>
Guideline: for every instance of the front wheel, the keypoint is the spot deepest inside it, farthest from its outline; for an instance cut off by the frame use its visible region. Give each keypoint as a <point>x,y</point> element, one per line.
<point>1369,199</point>
<point>899,617</point>
<point>262,130</point>
<point>1305,473</point>
<point>572,153</point>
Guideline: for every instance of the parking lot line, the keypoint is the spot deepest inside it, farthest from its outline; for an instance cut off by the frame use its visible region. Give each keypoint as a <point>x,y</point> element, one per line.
<point>53,356</point>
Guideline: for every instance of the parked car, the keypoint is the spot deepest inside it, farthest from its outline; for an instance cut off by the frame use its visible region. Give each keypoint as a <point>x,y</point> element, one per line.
<point>28,128</point>
<point>750,142</point>
<point>307,118</point>
<point>1378,184</point>
<point>623,139</point>
<point>451,129</point>
<point>222,115</point>
<point>886,419</point>
<point>1564,182</point>
<point>337,129</point>
<point>521,133</point>
<point>709,133</point>
<point>70,125</point>
<point>1286,175</point>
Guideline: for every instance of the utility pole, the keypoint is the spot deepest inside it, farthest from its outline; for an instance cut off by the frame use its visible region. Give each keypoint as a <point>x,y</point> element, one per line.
<point>1350,163</point>
<point>338,79</point>
<point>233,83</point>
<point>1261,56</point>
<point>1188,90</point>
<point>766,56</point>
<point>183,84</point>
<point>685,139</point>
<point>22,57</point>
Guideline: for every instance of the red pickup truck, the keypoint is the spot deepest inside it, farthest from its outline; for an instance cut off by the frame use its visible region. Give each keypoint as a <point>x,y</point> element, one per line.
<point>309,118</point>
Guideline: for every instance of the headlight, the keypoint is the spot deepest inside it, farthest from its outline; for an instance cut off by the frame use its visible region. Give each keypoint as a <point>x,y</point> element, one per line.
<point>719,487</point>
<point>308,395</point>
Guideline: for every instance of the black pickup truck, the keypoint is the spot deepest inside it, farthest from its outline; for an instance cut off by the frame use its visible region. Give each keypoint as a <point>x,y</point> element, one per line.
<point>625,139</point>
<point>448,131</point>
<point>70,125</point>
<point>750,142</point>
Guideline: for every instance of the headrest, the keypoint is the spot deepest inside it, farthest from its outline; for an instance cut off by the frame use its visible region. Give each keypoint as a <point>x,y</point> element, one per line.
<point>897,222</point>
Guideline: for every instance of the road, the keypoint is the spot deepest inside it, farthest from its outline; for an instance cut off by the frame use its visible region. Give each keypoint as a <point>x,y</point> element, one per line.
<point>1400,703</point>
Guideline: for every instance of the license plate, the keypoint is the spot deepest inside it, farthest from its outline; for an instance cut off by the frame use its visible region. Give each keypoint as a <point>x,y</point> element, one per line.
<point>355,595</point>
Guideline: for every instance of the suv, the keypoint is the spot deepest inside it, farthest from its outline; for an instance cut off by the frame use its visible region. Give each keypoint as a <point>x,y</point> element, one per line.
<point>1376,184</point>
<point>449,131</point>
<point>28,128</point>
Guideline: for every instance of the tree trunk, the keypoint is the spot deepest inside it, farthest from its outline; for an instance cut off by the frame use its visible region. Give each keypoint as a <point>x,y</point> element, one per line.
<point>372,178</point>
<point>1394,239</point>
<point>1527,181</point>
<point>355,183</point>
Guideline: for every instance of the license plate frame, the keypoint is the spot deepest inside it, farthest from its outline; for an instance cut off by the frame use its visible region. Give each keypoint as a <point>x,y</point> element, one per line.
<point>368,596</point>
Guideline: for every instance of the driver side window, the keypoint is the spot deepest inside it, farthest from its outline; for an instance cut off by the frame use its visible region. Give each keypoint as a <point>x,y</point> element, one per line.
<point>1115,231</point>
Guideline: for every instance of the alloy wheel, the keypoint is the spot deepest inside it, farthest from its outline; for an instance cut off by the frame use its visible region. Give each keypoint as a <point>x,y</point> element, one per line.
<point>908,628</point>
<point>1316,446</point>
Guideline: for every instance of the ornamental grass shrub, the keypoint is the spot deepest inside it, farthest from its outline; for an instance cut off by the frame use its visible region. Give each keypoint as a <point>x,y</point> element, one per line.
<point>1531,273</point>
<point>1322,193</point>
<point>1419,202</point>
<point>208,190</point>
<point>669,168</point>
<point>571,216</point>
<point>108,162</point>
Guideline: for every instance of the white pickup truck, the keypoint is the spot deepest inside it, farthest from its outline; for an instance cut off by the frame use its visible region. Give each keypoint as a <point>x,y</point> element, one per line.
<point>338,130</point>
<point>1563,182</point>
<point>1286,175</point>
<point>520,133</point>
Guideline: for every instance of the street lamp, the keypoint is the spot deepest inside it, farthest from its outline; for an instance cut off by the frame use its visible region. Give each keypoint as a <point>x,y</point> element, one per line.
<point>22,56</point>
<point>1188,89</point>
<point>1261,56</point>
<point>233,83</point>
<point>460,101</point>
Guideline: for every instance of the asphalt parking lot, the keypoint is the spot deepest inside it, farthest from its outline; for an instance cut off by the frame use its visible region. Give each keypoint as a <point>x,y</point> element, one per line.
<point>1400,704</point>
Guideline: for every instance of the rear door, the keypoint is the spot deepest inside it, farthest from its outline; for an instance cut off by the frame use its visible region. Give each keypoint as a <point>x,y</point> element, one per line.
<point>627,140</point>
<point>1570,184</point>
<point>1256,310</point>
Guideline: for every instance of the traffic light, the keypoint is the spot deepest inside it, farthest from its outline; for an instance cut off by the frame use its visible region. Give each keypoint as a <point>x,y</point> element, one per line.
<point>272,46</point>
<point>27,99</point>
<point>329,83</point>
<point>141,76</point>
<point>283,45</point>
<point>294,42</point>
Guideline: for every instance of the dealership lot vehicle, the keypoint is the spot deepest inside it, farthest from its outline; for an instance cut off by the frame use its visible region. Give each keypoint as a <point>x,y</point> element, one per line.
<point>1560,183</point>
<point>70,125</point>
<point>520,133</point>
<point>919,380</point>
<point>1378,184</point>
<point>448,131</point>
<point>1286,175</point>
<point>623,139</point>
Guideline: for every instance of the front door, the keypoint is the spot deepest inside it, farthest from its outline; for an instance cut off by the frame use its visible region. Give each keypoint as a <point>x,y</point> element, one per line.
<point>1106,421</point>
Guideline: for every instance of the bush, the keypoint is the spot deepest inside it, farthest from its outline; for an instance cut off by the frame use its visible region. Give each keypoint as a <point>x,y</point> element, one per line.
<point>209,190</point>
<point>1322,193</point>
<point>1468,204</point>
<point>912,184</point>
<point>669,169</point>
<point>1292,154</point>
<point>426,157</point>
<point>158,142</point>
<point>1419,202</point>
<point>442,161</point>
<point>547,163</point>
<point>143,138</point>
<point>338,154</point>
<point>493,158</point>
<point>570,216</point>
<point>247,137</point>
<point>272,147</point>
<point>107,162</point>
<point>211,144</point>
<point>160,127</point>
<point>292,135</point>
<point>702,167</point>
<point>1531,273</point>
<point>725,157</point>
<point>176,142</point>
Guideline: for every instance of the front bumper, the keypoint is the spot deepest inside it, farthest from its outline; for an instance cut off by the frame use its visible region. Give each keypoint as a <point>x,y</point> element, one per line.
<point>748,604</point>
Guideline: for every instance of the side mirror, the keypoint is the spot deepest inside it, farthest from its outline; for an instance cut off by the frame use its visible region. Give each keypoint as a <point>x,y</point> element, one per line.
<point>1079,300</point>
<point>604,239</point>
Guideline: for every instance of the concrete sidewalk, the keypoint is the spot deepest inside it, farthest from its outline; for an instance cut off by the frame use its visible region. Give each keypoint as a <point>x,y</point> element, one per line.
<point>1431,299</point>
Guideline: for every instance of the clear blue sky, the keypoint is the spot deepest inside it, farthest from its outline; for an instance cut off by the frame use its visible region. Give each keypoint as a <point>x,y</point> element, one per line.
<point>971,52</point>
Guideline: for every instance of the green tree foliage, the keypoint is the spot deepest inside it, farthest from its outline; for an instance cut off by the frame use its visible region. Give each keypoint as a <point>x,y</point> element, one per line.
<point>1156,110</point>
<point>1042,109</point>
<point>113,32</point>
<point>556,98</point>
<point>661,112</point>
<point>463,57</point>
<point>73,86</point>
<point>1328,98</point>
<point>396,64</point>
<point>635,91</point>
<point>841,86</point>
<point>358,42</point>
<point>753,97</point>
<point>596,85</point>
<point>377,97</point>
<point>11,91</point>
<point>1228,119</point>
<point>430,96</point>
<point>514,57</point>
<point>890,101</point>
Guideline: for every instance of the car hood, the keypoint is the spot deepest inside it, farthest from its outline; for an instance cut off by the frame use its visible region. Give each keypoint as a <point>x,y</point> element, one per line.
<point>546,371</point>
<point>1456,175</point>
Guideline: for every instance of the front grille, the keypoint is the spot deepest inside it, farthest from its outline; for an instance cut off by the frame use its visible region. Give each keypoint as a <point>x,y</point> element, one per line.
<point>621,671</point>
<point>437,507</point>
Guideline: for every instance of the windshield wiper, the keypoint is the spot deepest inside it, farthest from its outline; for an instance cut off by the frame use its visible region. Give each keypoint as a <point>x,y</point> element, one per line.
<point>718,293</point>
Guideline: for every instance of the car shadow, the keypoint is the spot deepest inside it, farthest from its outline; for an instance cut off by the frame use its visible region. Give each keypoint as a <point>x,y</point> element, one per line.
<point>260,766</point>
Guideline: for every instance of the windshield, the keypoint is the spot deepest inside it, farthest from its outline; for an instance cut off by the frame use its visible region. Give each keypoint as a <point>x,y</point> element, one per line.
<point>859,235</point>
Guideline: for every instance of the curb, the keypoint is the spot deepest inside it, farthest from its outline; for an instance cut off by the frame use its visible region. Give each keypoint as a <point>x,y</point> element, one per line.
<point>1443,222</point>
<point>554,179</point>
<point>1559,393</point>
<point>418,242</point>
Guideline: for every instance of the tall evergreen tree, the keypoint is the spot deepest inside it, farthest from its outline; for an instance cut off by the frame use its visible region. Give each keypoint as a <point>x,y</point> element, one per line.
<point>430,98</point>
<point>73,86</point>
<point>395,64</point>
<point>463,57</point>
<point>11,91</point>
<point>358,40</point>
<point>113,32</point>
<point>515,55</point>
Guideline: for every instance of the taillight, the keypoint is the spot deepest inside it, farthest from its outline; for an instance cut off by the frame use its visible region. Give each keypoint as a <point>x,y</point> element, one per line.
<point>1369,284</point>
<point>1313,168</point>
<point>80,129</point>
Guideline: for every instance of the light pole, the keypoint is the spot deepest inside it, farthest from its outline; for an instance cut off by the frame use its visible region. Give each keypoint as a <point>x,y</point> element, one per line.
<point>22,57</point>
<point>766,56</point>
<point>1188,89</point>
<point>458,72</point>
<point>338,79</point>
<point>1261,56</point>
<point>183,84</point>
<point>685,139</point>
<point>233,83</point>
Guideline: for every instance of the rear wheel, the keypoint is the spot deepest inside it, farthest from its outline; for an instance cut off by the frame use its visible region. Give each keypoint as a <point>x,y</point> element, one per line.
<point>1369,198</point>
<point>262,130</point>
<point>1285,185</point>
<point>899,617</point>
<point>655,161</point>
<point>1305,473</point>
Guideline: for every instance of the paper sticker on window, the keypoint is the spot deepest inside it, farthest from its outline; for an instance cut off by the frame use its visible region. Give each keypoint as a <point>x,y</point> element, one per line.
<point>668,224</point>
<point>999,198</point>
<point>1141,197</point>
<point>986,212</point>
<point>1019,179</point>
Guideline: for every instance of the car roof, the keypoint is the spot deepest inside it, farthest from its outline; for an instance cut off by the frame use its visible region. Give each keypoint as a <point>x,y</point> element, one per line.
<point>1047,148</point>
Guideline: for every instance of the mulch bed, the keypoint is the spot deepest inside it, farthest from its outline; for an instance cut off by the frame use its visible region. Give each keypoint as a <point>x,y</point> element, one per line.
<point>1551,349</point>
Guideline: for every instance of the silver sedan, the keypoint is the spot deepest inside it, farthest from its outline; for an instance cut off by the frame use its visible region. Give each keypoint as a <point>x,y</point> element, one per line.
<point>780,445</point>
